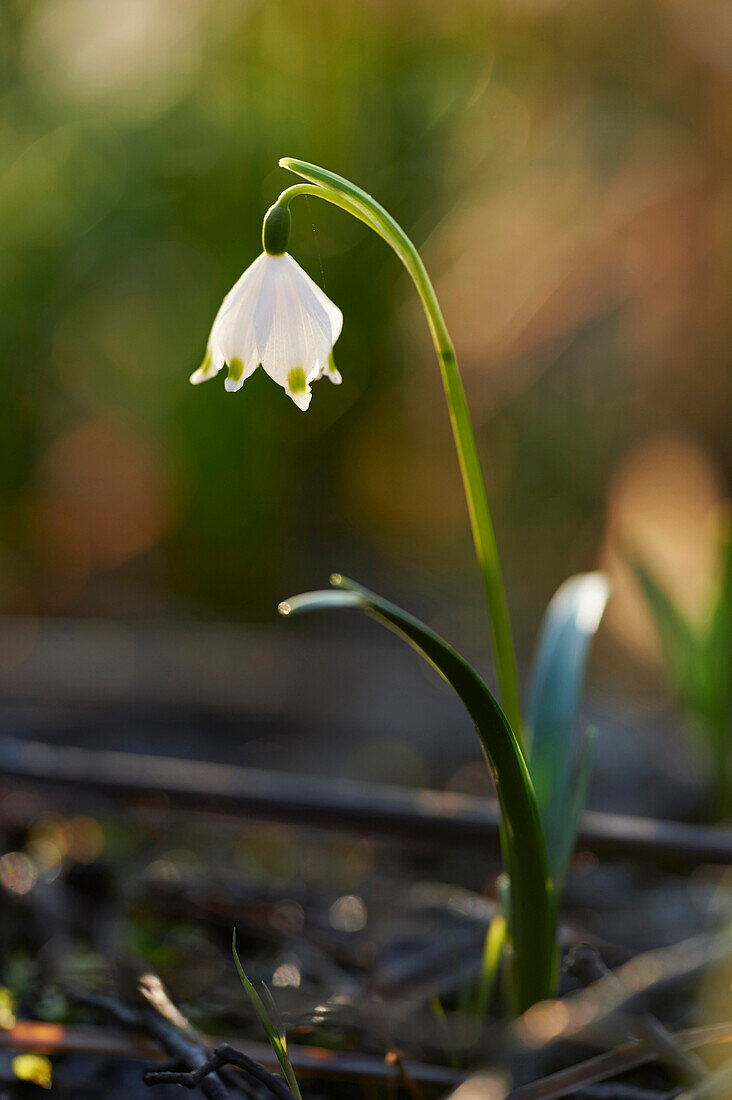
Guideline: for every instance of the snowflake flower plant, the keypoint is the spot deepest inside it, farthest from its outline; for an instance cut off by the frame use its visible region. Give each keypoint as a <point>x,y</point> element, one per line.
<point>276,316</point>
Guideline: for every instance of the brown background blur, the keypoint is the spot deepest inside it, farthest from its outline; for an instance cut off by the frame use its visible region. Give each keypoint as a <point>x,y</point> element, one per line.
<point>564,167</point>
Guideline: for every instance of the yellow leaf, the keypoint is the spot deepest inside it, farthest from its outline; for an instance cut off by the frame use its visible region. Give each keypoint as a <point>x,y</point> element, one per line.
<point>33,1067</point>
<point>7,1008</point>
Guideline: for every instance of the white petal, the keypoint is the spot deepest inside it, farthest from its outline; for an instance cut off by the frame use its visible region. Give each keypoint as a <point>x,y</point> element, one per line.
<point>274,314</point>
<point>251,278</point>
<point>239,371</point>
<point>302,399</point>
<point>335,317</point>
<point>328,370</point>
<point>204,372</point>
<point>234,342</point>
<point>331,371</point>
<point>212,363</point>
<point>291,328</point>
<point>232,335</point>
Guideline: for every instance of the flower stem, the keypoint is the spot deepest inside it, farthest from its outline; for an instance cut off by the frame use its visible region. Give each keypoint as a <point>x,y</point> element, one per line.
<point>347,196</point>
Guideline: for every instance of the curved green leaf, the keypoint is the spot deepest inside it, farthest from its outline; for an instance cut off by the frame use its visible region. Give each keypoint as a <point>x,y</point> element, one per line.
<point>531,912</point>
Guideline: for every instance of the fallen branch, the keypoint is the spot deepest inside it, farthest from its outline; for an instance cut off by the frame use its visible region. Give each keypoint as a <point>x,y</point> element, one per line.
<point>308,1061</point>
<point>593,1014</point>
<point>586,963</point>
<point>224,1055</point>
<point>340,1065</point>
<point>181,1048</point>
<point>603,1067</point>
<point>418,816</point>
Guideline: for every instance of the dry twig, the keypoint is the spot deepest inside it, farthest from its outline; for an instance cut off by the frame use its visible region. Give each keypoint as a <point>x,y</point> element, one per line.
<point>586,963</point>
<point>224,1055</point>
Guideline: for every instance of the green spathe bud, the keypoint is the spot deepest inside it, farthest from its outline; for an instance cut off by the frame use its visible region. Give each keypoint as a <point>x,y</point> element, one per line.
<point>276,230</point>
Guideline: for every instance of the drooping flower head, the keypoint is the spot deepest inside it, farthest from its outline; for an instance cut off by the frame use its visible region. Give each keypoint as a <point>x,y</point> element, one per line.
<point>277,316</point>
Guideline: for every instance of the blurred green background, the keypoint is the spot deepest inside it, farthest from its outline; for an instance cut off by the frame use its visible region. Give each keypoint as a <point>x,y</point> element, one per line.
<point>565,167</point>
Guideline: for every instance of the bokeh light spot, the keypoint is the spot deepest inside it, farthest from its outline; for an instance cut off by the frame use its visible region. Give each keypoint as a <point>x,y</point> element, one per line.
<point>18,872</point>
<point>287,975</point>
<point>348,913</point>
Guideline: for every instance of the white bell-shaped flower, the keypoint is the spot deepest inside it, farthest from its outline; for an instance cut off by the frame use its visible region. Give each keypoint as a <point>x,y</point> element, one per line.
<point>277,316</point>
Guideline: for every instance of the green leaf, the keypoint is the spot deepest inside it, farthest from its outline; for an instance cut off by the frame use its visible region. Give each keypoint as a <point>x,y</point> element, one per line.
<point>689,654</point>
<point>718,642</point>
<point>555,695</point>
<point>698,660</point>
<point>495,938</point>
<point>577,799</point>
<point>714,692</point>
<point>276,1041</point>
<point>531,912</point>
<point>679,641</point>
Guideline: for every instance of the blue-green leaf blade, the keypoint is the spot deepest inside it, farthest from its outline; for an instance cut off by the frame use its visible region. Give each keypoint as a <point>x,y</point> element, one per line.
<point>579,789</point>
<point>568,628</point>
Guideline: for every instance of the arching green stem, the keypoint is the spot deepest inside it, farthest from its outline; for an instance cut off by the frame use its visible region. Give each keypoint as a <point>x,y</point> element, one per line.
<point>336,190</point>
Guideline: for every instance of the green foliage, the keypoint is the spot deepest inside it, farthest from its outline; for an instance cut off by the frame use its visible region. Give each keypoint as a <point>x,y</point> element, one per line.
<point>538,808</point>
<point>277,1041</point>
<point>490,963</point>
<point>341,192</point>
<point>137,160</point>
<point>698,660</point>
<point>559,773</point>
<point>132,196</point>
<point>531,919</point>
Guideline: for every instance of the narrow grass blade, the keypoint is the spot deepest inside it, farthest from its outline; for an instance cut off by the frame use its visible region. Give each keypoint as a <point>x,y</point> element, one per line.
<point>276,1041</point>
<point>719,635</point>
<point>495,938</point>
<point>698,659</point>
<point>679,641</point>
<point>715,664</point>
